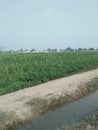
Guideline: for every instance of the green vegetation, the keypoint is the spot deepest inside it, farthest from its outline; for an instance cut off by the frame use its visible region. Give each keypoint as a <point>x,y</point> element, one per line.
<point>20,70</point>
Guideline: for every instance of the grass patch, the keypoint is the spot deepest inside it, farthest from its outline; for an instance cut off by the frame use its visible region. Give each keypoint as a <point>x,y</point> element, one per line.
<point>6,120</point>
<point>10,120</point>
<point>40,105</point>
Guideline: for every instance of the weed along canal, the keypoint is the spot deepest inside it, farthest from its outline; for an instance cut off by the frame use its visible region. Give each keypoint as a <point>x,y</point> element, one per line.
<point>69,113</point>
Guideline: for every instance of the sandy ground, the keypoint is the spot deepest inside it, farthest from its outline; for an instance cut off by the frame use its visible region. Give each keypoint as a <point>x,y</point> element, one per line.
<point>15,102</point>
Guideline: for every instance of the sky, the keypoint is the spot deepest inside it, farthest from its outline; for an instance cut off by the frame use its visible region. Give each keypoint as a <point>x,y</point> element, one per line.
<point>42,24</point>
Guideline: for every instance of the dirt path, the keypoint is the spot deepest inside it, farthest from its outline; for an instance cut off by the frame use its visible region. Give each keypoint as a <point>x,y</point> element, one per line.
<point>15,102</point>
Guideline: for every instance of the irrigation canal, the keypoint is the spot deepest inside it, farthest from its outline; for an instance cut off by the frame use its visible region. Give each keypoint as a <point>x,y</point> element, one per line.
<point>69,113</point>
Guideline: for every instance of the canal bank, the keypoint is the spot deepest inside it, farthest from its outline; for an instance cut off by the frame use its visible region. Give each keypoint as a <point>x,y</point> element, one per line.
<point>70,113</point>
<point>19,107</point>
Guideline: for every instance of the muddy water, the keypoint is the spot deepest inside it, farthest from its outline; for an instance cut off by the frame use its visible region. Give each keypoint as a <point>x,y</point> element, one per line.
<point>69,113</point>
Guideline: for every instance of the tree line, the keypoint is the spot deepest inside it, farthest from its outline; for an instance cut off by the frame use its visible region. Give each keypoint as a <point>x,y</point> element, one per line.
<point>68,49</point>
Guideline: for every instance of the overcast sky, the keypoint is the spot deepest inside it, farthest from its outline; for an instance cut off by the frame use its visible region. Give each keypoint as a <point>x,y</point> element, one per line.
<point>41,24</point>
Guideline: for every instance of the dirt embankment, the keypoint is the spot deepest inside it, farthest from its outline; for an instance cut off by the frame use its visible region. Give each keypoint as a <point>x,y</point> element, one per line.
<point>14,105</point>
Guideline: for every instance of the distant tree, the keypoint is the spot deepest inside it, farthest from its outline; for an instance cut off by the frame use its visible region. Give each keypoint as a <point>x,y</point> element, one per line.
<point>80,49</point>
<point>26,49</point>
<point>68,49</point>
<point>48,49</point>
<point>91,49</point>
<point>85,49</point>
<point>54,50</point>
<point>21,50</point>
<point>32,50</point>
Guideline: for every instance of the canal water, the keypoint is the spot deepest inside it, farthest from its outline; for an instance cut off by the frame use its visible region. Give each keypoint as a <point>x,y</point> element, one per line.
<point>70,113</point>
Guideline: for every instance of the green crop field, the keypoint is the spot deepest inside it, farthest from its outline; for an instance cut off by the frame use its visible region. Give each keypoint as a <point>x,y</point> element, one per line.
<point>20,70</point>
